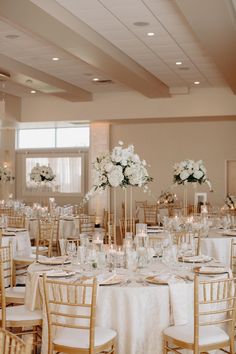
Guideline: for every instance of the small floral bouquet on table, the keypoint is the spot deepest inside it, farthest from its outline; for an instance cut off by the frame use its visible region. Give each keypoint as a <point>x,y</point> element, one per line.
<point>121,167</point>
<point>6,174</point>
<point>190,171</point>
<point>41,174</point>
<point>166,198</point>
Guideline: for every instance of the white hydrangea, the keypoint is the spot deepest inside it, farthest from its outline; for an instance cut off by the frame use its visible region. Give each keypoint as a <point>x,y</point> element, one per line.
<point>190,171</point>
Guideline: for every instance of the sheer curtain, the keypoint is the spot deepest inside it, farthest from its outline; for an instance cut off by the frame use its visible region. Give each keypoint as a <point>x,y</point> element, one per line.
<point>68,171</point>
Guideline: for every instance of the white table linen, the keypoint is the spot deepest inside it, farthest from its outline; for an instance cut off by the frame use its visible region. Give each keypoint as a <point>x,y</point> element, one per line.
<point>20,243</point>
<point>138,312</point>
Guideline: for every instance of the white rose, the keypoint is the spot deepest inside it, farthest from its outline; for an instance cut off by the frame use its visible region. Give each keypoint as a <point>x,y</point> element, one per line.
<point>184,175</point>
<point>108,167</point>
<point>198,174</point>
<point>115,177</point>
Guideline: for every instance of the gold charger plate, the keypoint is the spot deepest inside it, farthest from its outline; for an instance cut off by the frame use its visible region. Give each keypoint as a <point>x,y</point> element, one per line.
<point>156,281</point>
<point>210,270</point>
<point>113,281</point>
<point>231,233</point>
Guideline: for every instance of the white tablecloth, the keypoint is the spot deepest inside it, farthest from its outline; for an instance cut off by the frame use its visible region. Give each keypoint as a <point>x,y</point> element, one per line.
<point>20,243</point>
<point>138,312</point>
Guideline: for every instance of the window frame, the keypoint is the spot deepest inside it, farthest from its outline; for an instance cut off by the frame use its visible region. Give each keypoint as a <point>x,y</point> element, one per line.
<point>55,138</point>
<point>44,153</point>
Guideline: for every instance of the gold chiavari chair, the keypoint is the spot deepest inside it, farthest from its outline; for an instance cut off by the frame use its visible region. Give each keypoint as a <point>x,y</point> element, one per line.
<point>55,236</point>
<point>87,224</point>
<point>18,317</point>
<point>110,235</point>
<point>150,214</point>
<point>6,211</point>
<point>127,225</point>
<point>11,344</point>
<point>68,246</point>
<point>214,306</point>
<point>71,309</point>
<point>13,294</point>
<point>44,238</point>
<point>233,257</point>
<point>192,238</point>
<point>139,205</point>
<point>16,221</point>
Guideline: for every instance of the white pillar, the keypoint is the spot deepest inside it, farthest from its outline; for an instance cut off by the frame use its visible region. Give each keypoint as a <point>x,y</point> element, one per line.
<point>99,142</point>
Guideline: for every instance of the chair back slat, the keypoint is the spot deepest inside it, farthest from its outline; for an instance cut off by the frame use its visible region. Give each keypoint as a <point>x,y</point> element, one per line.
<point>71,305</point>
<point>214,304</point>
<point>11,344</point>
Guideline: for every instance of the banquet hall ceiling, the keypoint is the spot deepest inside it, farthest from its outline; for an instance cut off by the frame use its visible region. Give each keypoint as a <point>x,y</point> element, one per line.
<point>108,40</point>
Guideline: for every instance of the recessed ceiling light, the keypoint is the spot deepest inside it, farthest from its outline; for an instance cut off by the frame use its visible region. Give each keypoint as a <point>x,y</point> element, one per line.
<point>150,34</point>
<point>196,82</point>
<point>55,58</point>
<point>95,79</point>
<point>141,23</point>
<point>12,36</point>
<point>4,75</point>
<point>178,62</point>
<point>32,91</point>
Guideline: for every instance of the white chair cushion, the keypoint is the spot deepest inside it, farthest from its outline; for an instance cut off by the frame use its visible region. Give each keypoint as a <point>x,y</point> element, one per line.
<point>21,313</point>
<point>207,334</point>
<point>40,248</point>
<point>75,338</point>
<point>16,291</point>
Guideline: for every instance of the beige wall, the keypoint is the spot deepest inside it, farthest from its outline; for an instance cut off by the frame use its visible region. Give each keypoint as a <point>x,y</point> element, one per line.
<point>163,144</point>
<point>130,105</point>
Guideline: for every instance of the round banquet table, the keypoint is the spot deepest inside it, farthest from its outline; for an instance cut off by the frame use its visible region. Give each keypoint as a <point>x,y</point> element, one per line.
<point>138,311</point>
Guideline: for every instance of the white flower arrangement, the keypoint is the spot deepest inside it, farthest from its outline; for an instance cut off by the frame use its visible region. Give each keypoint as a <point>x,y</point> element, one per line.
<point>121,167</point>
<point>6,174</point>
<point>41,174</point>
<point>190,171</point>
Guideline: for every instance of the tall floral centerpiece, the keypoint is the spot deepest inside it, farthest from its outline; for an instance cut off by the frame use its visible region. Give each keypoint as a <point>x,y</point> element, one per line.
<point>190,171</point>
<point>6,177</point>
<point>6,174</point>
<point>121,167</point>
<point>42,175</point>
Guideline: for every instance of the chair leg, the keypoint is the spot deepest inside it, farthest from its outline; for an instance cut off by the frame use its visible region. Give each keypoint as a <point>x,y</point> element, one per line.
<point>114,348</point>
<point>232,346</point>
<point>165,350</point>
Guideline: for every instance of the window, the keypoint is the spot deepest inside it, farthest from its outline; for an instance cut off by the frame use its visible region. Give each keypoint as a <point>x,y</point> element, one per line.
<point>68,171</point>
<point>53,137</point>
<point>70,137</point>
<point>36,138</point>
